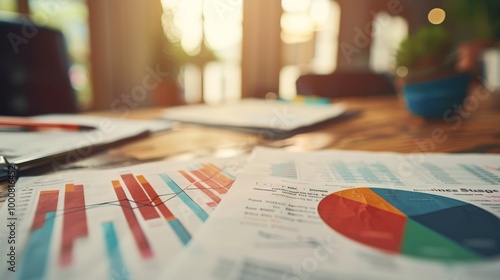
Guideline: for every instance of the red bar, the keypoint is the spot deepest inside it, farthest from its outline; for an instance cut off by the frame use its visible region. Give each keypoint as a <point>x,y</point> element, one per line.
<point>213,184</point>
<point>212,204</point>
<point>211,175</point>
<point>206,191</point>
<point>198,173</point>
<point>133,223</point>
<point>156,199</point>
<point>184,173</point>
<point>219,188</point>
<point>74,221</point>
<point>144,204</point>
<point>211,168</point>
<point>216,186</point>
<point>46,203</point>
<point>202,175</point>
<point>223,180</point>
<point>220,178</point>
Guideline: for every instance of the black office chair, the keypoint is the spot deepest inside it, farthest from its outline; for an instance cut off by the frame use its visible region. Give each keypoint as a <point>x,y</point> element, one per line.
<point>33,70</point>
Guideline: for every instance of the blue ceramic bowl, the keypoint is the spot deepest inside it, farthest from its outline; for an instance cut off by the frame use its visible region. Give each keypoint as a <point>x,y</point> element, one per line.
<point>433,98</point>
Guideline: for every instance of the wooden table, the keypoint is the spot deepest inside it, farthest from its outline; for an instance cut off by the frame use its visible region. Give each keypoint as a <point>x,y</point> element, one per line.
<point>381,124</point>
<point>386,125</point>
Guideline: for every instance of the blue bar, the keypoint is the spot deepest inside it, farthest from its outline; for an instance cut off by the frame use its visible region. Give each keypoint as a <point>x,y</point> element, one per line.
<point>117,265</point>
<point>37,252</point>
<point>195,166</point>
<point>181,232</point>
<point>202,215</point>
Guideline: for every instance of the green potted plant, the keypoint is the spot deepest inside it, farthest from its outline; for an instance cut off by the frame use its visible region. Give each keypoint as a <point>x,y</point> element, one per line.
<point>479,18</point>
<point>426,63</point>
<point>426,55</point>
<point>478,29</point>
<point>478,22</point>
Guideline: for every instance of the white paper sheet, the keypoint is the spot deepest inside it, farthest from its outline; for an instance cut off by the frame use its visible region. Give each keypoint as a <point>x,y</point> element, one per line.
<point>255,113</point>
<point>125,223</point>
<point>20,147</point>
<point>392,216</point>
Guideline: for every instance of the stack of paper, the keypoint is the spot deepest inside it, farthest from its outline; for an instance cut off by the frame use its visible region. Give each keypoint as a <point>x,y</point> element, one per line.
<point>33,148</point>
<point>272,119</point>
<point>353,215</point>
<point>276,215</point>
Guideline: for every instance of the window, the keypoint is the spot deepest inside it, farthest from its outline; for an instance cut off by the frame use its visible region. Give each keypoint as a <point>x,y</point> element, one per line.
<point>388,32</point>
<point>210,32</point>
<point>309,35</point>
<point>8,5</point>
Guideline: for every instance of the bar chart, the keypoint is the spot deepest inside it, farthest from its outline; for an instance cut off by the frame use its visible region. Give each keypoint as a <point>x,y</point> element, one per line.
<point>284,170</point>
<point>360,171</point>
<point>209,179</point>
<point>41,235</point>
<point>151,212</point>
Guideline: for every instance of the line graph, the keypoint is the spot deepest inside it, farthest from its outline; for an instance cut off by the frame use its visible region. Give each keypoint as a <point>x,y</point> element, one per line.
<point>150,212</point>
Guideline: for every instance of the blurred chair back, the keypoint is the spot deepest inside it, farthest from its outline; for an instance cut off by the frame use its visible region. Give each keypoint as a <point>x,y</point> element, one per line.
<point>346,83</point>
<point>33,70</point>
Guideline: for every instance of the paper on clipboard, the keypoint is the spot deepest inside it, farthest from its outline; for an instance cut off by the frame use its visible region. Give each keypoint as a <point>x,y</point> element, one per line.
<point>29,149</point>
<point>255,115</point>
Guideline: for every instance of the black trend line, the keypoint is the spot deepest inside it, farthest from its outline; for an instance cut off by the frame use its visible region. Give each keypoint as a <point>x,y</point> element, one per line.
<point>140,203</point>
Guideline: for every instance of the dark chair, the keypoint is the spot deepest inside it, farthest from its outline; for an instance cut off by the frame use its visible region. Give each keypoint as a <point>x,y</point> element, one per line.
<point>346,83</point>
<point>33,70</point>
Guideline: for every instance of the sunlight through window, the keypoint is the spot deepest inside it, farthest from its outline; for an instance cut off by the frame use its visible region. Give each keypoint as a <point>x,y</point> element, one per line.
<point>212,32</point>
<point>309,31</point>
<point>388,32</point>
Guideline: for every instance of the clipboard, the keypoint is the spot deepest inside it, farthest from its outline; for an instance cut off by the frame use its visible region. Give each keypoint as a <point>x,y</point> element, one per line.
<point>270,119</point>
<point>52,149</point>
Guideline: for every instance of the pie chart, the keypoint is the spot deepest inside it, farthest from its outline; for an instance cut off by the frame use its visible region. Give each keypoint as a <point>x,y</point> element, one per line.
<point>415,224</point>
